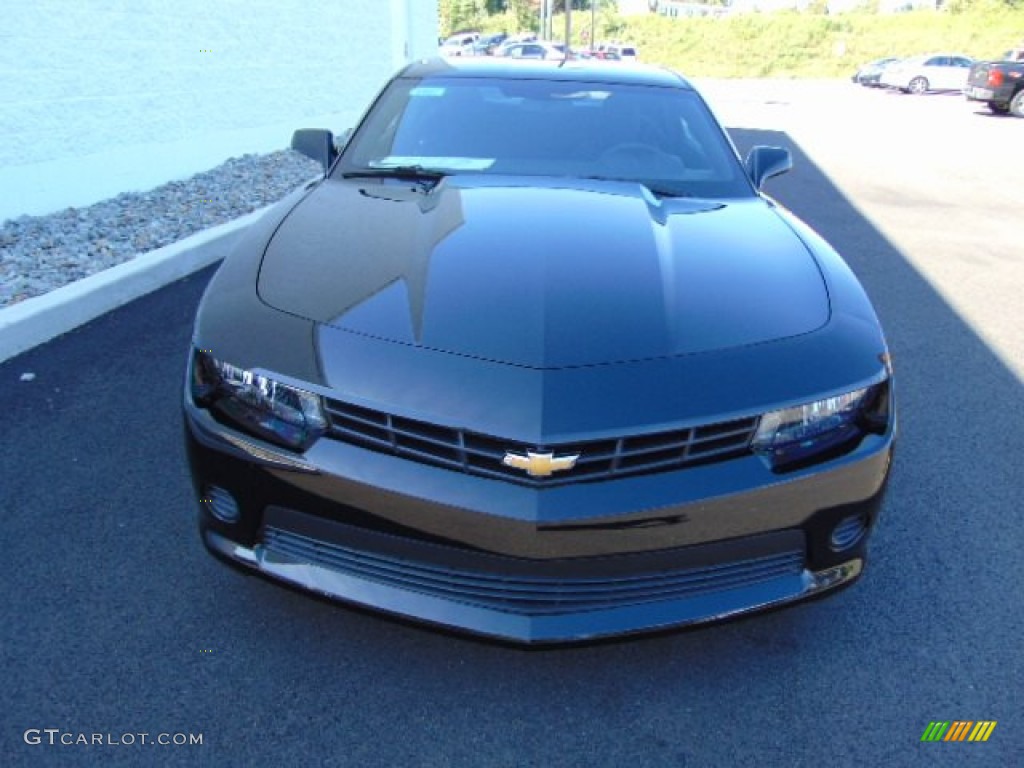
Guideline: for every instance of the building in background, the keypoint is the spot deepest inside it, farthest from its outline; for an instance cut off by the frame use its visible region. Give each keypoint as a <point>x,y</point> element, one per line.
<point>99,97</point>
<point>678,9</point>
<point>674,9</point>
<point>634,7</point>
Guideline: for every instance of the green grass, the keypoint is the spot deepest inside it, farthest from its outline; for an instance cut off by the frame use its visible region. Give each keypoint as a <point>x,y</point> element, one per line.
<point>790,44</point>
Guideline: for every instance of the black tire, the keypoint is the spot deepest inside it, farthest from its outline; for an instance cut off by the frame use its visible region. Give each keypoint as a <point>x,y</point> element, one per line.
<point>1017,104</point>
<point>998,109</point>
<point>918,85</point>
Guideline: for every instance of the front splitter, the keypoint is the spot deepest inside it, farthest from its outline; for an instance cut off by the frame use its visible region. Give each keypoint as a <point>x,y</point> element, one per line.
<point>576,626</point>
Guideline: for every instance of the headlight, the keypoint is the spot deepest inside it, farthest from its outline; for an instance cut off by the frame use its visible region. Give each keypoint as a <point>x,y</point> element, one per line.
<point>277,412</point>
<point>815,431</point>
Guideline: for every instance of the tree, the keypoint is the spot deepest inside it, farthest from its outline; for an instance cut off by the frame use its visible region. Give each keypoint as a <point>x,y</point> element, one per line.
<point>525,14</point>
<point>457,15</point>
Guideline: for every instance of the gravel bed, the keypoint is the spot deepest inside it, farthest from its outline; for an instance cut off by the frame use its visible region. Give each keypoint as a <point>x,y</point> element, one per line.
<point>40,253</point>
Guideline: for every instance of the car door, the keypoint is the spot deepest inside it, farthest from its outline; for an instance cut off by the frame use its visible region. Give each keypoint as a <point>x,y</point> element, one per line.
<point>935,70</point>
<point>959,68</point>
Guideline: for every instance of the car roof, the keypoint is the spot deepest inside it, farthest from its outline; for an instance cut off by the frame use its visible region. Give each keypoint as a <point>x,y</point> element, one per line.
<point>542,43</point>
<point>925,56</point>
<point>572,71</point>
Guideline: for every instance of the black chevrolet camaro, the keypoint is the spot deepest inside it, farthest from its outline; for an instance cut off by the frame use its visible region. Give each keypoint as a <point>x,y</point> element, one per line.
<point>537,360</point>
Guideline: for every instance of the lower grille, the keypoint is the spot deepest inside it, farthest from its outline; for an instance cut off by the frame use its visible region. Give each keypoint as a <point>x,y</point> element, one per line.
<point>479,454</point>
<point>506,588</point>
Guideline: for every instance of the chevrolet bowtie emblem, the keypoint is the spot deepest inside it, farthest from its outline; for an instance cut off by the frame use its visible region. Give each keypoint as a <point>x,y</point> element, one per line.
<point>539,464</point>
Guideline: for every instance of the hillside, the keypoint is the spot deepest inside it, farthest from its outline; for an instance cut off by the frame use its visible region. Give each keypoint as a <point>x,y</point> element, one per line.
<point>791,44</point>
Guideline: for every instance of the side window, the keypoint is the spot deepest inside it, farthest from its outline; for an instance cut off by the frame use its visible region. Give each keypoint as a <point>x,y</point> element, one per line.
<point>959,61</point>
<point>937,61</point>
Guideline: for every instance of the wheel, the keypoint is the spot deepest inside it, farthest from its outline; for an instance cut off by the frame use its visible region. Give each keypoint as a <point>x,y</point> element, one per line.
<point>1017,104</point>
<point>918,85</point>
<point>998,109</point>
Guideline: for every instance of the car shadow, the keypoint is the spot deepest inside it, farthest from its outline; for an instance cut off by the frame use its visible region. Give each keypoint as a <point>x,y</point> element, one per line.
<point>988,113</point>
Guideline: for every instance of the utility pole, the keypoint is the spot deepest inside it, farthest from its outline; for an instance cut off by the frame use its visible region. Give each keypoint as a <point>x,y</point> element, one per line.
<point>568,27</point>
<point>593,24</point>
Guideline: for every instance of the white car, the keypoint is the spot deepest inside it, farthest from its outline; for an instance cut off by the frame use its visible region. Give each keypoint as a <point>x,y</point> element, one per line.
<point>459,45</point>
<point>617,51</point>
<point>932,72</point>
<point>533,50</point>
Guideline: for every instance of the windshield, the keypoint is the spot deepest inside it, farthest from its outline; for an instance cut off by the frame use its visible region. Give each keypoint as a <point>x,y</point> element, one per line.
<point>662,137</point>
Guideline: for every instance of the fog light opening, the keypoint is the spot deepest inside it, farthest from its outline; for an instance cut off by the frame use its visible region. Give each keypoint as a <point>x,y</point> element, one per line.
<point>833,577</point>
<point>221,504</point>
<point>848,532</point>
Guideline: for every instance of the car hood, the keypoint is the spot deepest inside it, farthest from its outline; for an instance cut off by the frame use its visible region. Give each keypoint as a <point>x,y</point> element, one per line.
<point>553,274</point>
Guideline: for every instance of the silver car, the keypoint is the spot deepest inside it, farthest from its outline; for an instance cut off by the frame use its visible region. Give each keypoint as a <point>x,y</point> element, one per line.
<point>931,72</point>
<point>535,49</point>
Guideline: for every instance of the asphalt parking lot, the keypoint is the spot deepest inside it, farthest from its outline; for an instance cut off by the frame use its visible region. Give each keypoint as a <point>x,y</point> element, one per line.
<point>117,622</point>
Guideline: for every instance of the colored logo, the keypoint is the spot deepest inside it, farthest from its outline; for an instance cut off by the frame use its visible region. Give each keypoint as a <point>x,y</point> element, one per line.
<point>958,730</point>
<point>539,464</point>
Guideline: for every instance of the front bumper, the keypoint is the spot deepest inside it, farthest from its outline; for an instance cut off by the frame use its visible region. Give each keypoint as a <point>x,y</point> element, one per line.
<point>536,566</point>
<point>545,607</point>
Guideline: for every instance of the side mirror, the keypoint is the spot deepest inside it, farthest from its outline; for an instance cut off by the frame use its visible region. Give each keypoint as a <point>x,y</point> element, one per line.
<point>765,162</point>
<point>341,139</point>
<point>316,144</point>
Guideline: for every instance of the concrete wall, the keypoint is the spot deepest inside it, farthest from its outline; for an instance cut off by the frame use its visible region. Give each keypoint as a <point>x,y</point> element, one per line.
<point>99,97</point>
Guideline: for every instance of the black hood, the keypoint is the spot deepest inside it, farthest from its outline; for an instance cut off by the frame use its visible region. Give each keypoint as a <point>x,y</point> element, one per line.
<point>558,274</point>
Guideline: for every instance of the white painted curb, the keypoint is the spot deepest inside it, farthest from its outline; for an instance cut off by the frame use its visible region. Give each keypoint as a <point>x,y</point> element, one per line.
<point>37,320</point>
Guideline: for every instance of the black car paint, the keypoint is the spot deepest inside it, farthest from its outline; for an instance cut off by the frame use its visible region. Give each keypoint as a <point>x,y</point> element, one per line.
<point>603,274</point>
<point>1000,84</point>
<point>614,355</point>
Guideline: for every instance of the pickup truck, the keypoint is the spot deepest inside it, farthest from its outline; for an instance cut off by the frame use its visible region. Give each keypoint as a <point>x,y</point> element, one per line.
<point>1000,84</point>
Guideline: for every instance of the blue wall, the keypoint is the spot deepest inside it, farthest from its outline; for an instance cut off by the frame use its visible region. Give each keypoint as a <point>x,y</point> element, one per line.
<point>98,98</point>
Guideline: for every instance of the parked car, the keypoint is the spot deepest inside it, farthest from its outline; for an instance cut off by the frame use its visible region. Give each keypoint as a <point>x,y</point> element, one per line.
<point>485,45</point>
<point>933,72</point>
<point>617,52</point>
<point>459,45</point>
<point>871,73</point>
<point>555,370</point>
<point>535,50</point>
<point>1000,84</point>
<point>603,55</point>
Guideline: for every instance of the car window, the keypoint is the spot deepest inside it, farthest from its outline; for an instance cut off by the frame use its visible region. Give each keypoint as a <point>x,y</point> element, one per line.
<point>960,61</point>
<point>936,61</point>
<point>663,137</point>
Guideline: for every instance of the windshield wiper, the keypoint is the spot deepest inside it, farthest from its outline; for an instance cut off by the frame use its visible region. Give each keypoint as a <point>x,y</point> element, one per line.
<point>655,189</point>
<point>414,172</point>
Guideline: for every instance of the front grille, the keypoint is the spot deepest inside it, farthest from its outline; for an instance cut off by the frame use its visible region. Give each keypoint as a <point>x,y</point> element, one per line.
<point>504,586</point>
<point>478,454</point>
